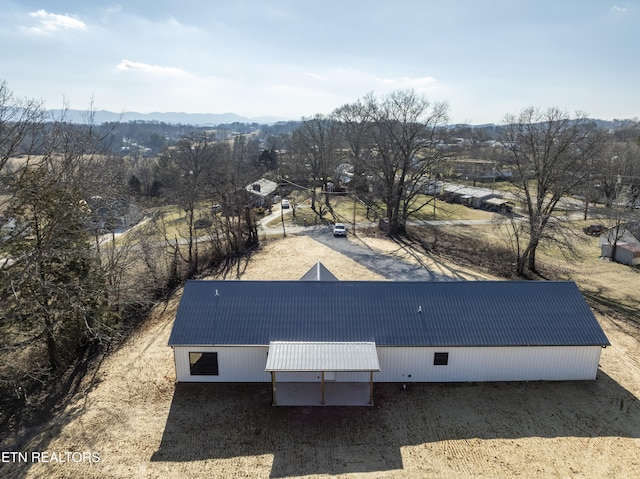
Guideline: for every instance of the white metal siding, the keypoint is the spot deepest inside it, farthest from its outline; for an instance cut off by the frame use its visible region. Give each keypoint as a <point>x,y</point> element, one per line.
<point>412,364</point>
<point>623,255</point>
<point>488,364</point>
<point>243,364</point>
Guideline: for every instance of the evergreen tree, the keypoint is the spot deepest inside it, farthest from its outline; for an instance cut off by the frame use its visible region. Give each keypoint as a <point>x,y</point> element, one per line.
<point>54,290</point>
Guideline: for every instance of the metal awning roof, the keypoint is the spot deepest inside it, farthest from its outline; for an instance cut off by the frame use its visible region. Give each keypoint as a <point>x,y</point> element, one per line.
<point>322,356</point>
<point>496,201</point>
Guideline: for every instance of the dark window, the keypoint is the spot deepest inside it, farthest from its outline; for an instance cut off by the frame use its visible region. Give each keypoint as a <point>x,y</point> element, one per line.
<point>203,364</point>
<point>440,359</point>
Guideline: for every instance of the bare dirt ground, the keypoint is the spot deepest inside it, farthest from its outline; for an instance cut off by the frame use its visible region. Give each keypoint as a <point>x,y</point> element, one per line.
<point>143,425</point>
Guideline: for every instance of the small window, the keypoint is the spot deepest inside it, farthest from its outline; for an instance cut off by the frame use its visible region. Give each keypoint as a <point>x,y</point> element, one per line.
<point>203,364</point>
<point>440,359</point>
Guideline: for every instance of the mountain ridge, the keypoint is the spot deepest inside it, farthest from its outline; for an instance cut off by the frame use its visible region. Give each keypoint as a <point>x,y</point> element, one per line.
<point>199,119</point>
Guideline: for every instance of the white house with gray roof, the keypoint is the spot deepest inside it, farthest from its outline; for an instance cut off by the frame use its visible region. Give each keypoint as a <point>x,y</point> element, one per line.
<point>622,243</point>
<point>361,332</point>
<point>263,191</point>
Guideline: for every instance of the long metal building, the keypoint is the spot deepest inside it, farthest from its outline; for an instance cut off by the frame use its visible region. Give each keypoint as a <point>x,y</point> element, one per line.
<point>331,332</point>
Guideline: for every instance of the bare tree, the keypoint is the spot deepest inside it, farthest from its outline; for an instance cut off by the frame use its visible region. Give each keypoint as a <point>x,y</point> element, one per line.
<point>316,141</point>
<point>394,140</point>
<point>550,154</point>
<point>21,120</point>
<point>236,229</point>
<point>193,161</point>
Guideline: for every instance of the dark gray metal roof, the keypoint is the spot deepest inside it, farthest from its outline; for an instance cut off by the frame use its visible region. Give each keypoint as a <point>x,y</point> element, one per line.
<point>465,313</point>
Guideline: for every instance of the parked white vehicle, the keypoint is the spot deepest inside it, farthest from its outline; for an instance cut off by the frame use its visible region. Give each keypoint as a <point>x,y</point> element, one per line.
<point>339,230</point>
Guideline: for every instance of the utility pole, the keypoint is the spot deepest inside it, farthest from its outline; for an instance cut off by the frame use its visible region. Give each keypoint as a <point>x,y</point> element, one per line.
<point>284,231</point>
<point>354,214</point>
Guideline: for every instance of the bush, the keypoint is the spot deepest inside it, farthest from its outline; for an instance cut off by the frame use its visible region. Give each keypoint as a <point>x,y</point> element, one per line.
<point>202,223</point>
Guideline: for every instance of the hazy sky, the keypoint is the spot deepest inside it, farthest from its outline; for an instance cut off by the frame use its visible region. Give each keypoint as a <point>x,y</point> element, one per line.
<point>295,58</point>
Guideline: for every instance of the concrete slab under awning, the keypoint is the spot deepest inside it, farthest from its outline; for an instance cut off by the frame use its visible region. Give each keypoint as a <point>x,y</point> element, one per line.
<point>336,394</point>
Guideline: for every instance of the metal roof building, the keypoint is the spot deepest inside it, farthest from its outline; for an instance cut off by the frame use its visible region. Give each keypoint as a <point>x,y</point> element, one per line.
<point>465,313</point>
<point>359,331</point>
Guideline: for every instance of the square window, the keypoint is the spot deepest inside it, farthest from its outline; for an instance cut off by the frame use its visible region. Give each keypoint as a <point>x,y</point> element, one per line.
<point>203,364</point>
<point>440,359</point>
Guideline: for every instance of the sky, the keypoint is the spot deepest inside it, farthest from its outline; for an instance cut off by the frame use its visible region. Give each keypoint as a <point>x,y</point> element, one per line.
<point>297,58</point>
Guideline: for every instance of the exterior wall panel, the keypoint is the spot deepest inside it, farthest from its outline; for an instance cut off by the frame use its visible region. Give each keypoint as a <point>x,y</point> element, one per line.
<point>413,364</point>
<point>243,364</point>
<point>488,364</point>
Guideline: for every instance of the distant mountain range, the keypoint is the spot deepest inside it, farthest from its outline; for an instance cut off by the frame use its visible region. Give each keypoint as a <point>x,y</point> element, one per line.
<point>214,119</point>
<point>200,119</point>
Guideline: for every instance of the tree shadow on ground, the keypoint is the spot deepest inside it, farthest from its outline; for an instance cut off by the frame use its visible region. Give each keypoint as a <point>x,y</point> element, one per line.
<point>387,266</point>
<point>444,269</point>
<point>219,421</point>
<point>38,426</point>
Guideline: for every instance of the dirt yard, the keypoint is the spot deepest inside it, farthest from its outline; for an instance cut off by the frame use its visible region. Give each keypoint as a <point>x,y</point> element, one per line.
<point>138,423</point>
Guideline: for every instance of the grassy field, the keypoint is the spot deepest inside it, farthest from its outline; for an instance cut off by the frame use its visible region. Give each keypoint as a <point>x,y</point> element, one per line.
<point>343,210</point>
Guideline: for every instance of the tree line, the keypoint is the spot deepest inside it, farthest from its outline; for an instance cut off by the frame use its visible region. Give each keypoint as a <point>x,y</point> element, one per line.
<point>70,283</point>
<point>400,146</point>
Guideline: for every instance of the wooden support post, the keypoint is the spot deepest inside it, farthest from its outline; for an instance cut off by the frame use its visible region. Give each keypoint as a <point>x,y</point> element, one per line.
<point>370,387</point>
<point>322,401</point>
<point>273,388</point>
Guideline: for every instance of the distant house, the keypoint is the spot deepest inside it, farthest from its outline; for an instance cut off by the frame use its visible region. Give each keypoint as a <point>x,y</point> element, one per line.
<point>432,187</point>
<point>482,198</point>
<point>622,244</point>
<point>113,213</point>
<point>7,226</point>
<point>626,253</point>
<point>263,192</point>
<point>344,173</point>
<point>323,334</point>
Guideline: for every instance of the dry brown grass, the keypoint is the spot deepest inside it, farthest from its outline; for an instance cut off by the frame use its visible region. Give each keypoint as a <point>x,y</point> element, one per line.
<point>143,425</point>
<point>291,257</point>
<point>611,281</point>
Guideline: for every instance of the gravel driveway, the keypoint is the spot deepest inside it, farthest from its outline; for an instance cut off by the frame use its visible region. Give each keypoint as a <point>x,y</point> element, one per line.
<point>389,267</point>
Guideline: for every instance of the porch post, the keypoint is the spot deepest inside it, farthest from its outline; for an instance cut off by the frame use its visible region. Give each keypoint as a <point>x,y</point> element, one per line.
<point>322,401</point>
<point>273,388</point>
<point>370,387</point>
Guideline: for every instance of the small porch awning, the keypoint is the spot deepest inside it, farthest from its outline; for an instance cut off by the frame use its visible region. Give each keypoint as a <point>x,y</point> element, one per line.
<point>496,201</point>
<point>325,358</point>
<point>322,356</point>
